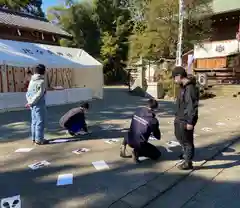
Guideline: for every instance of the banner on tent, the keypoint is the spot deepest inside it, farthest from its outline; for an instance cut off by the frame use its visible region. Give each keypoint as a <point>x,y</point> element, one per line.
<point>12,79</point>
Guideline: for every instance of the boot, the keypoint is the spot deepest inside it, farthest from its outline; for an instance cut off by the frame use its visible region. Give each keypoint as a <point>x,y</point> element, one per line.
<point>123,151</point>
<point>185,166</point>
<point>135,156</point>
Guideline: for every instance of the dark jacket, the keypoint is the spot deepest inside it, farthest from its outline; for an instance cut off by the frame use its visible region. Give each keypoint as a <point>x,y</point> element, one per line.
<point>142,125</point>
<point>74,119</point>
<point>187,103</point>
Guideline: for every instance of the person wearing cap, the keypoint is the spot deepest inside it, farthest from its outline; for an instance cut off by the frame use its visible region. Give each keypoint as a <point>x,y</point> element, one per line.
<point>74,120</point>
<point>186,116</point>
<point>143,124</point>
<point>36,102</point>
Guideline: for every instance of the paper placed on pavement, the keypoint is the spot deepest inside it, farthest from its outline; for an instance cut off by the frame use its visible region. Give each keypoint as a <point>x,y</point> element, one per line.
<point>106,127</point>
<point>11,202</point>
<point>111,141</point>
<point>173,143</point>
<point>38,165</point>
<point>24,149</point>
<point>100,165</point>
<point>80,151</point>
<point>207,129</point>
<point>143,158</point>
<point>59,141</point>
<point>220,124</point>
<point>65,179</point>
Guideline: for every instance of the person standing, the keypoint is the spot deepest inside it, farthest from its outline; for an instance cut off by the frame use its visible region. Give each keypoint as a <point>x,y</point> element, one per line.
<point>36,102</point>
<point>143,124</point>
<point>186,116</point>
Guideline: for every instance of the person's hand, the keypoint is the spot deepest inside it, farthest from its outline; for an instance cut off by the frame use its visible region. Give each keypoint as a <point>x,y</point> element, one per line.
<point>189,127</point>
<point>27,105</point>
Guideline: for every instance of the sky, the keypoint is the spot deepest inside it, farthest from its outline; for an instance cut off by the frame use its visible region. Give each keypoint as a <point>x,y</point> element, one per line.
<point>50,3</point>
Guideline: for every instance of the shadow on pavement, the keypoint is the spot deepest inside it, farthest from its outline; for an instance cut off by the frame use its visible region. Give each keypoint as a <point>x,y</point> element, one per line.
<point>95,188</point>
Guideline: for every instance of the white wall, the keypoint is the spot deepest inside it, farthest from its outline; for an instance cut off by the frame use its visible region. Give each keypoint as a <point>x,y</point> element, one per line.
<point>17,100</point>
<point>90,78</point>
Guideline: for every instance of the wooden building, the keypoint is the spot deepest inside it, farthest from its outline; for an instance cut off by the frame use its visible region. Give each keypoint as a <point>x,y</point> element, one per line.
<point>24,27</point>
<point>219,57</point>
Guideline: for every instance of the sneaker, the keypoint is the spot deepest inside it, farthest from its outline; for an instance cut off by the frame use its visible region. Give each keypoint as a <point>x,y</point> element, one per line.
<point>71,133</point>
<point>135,156</point>
<point>42,142</point>
<point>185,166</point>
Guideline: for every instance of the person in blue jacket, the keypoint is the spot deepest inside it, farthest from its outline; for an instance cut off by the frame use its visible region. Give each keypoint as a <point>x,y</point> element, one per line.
<point>143,124</point>
<point>74,120</point>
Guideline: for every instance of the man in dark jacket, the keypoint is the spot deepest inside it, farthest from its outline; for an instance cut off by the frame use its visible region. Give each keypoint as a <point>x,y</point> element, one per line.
<point>142,125</point>
<point>74,120</point>
<point>186,115</point>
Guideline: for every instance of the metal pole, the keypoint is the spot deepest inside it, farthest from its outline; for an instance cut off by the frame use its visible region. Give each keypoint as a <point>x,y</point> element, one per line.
<point>180,34</point>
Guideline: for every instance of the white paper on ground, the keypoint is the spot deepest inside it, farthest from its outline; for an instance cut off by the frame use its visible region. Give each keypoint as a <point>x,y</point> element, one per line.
<point>38,165</point>
<point>170,122</point>
<point>207,129</point>
<point>100,165</point>
<point>195,135</point>
<point>24,149</point>
<point>173,144</point>
<point>59,141</point>
<point>65,179</point>
<point>80,151</point>
<point>112,141</point>
<point>106,127</point>
<point>220,124</point>
<point>11,202</point>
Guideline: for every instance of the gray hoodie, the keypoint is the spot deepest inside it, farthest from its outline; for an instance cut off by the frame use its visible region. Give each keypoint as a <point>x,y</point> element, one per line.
<point>36,89</point>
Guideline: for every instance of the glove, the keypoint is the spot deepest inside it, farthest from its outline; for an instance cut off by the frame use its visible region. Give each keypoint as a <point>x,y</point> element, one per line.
<point>27,105</point>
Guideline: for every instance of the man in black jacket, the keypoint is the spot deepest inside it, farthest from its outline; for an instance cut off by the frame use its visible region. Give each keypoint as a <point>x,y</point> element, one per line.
<point>74,120</point>
<point>142,125</point>
<point>186,115</point>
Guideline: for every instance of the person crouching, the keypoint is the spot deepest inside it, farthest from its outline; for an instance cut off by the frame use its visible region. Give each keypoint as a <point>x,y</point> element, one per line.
<point>143,124</point>
<point>74,120</point>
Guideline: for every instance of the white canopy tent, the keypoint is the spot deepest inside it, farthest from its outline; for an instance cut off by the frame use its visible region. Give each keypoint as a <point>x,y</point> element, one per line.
<point>86,71</point>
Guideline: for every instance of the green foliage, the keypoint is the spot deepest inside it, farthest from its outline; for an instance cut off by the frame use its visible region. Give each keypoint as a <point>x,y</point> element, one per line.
<point>32,7</point>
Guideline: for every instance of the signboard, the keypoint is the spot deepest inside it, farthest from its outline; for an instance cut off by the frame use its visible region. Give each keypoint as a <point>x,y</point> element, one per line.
<point>216,49</point>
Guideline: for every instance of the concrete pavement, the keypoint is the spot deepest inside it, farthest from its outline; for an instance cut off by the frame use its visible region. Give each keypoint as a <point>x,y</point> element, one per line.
<point>124,184</point>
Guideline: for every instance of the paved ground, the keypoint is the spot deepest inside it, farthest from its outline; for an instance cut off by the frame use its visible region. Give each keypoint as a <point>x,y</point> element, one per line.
<point>216,184</point>
<point>124,184</point>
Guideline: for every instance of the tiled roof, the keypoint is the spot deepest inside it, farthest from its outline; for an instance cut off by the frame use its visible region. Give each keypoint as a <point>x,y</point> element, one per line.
<point>28,21</point>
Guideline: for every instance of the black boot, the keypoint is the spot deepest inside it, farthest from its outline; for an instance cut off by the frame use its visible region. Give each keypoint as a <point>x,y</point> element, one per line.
<point>185,166</point>
<point>181,157</point>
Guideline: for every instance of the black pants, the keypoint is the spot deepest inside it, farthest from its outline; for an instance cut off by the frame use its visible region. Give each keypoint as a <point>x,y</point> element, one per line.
<point>146,150</point>
<point>185,138</point>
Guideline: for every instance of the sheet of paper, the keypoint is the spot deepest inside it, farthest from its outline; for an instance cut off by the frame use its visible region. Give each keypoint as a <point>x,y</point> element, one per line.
<point>24,149</point>
<point>65,179</point>
<point>80,151</point>
<point>59,141</point>
<point>38,165</point>
<point>173,144</point>
<point>106,127</point>
<point>170,122</point>
<point>11,202</point>
<point>207,129</point>
<point>220,124</point>
<point>100,165</point>
<point>112,141</point>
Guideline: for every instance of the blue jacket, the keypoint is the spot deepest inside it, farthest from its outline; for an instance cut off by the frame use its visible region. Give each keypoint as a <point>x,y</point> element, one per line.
<point>142,125</point>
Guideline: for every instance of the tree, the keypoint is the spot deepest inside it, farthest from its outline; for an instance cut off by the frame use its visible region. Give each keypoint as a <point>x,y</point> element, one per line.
<point>158,38</point>
<point>32,7</point>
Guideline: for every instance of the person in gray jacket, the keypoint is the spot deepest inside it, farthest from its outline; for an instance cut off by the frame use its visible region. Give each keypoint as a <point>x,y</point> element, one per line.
<point>36,102</point>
